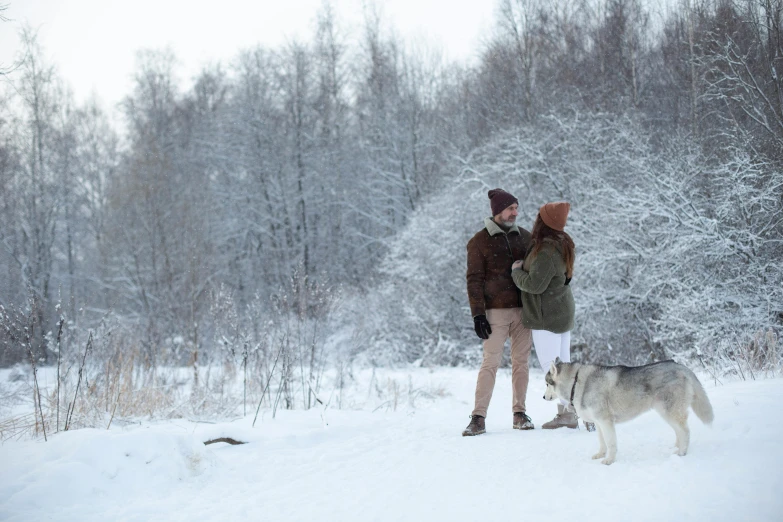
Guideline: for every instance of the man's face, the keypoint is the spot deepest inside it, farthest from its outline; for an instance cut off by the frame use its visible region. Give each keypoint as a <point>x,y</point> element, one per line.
<point>509,215</point>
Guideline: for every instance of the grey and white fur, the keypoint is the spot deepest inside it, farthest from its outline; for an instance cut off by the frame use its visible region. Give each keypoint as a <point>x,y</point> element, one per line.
<point>607,395</point>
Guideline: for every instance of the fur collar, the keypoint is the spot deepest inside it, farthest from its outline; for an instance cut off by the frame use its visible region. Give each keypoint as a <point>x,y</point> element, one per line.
<point>494,229</point>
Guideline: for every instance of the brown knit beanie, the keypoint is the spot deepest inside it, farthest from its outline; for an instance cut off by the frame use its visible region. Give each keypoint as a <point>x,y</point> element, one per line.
<point>500,200</point>
<point>554,214</point>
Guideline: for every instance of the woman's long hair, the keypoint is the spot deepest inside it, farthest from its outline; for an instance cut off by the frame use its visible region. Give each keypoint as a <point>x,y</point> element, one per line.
<point>542,231</point>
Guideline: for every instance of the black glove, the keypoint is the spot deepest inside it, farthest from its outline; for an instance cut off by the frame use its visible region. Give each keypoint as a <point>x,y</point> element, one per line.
<point>481,325</point>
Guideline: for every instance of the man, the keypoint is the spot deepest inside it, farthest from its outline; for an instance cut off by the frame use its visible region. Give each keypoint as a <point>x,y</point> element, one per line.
<point>496,306</point>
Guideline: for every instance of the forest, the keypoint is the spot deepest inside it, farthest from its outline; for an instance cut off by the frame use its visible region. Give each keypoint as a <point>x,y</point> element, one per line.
<point>298,211</point>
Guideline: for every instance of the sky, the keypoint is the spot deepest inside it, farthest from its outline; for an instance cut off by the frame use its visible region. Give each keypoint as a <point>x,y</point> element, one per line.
<point>93,43</point>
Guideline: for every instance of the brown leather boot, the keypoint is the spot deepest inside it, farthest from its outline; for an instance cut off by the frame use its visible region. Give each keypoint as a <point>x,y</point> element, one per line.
<point>563,419</point>
<point>476,426</point>
<point>522,421</point>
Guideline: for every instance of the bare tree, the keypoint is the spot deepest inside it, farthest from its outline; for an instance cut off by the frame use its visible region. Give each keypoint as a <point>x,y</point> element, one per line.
<point>5,70</point>
<point>33,243</point>
<point>744,84</point>
<point>520,21</point>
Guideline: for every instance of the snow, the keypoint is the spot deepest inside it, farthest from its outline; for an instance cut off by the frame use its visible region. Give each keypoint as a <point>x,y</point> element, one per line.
<point>408,463</point>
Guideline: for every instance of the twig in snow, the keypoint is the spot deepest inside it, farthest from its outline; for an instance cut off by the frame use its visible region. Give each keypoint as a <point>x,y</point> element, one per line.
<point>115,406</point>
<point>268,381</point>
<point>228,440</point>
<point>59,337</point>
<point>36,389</point>
<point>69,416</point>
<point>714,376</point>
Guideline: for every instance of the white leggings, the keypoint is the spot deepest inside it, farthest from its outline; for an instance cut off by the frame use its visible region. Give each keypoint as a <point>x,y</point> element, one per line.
<point>550,346</point>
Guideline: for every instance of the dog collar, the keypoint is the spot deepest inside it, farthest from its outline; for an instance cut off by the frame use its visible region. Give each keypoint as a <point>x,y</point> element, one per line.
<point>573,389</point>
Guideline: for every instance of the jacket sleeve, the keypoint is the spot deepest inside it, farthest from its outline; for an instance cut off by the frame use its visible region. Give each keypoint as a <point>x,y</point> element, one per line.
<point>475,276</point>
<point>536,281</point>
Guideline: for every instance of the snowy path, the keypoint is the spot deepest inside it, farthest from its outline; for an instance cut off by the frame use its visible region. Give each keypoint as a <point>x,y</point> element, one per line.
<point>409,465</point>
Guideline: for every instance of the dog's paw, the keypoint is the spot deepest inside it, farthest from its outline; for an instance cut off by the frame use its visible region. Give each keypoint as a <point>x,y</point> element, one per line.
<point>680,452</point>
<point>607,461</point>
<point>599,455</point>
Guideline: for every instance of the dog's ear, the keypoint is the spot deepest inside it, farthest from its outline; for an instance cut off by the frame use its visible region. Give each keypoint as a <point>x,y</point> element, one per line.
<point>553,368</point>
<point>557,360</point>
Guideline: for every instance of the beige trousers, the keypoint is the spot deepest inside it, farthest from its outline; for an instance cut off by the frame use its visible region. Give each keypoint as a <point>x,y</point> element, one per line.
<point>505,323</point>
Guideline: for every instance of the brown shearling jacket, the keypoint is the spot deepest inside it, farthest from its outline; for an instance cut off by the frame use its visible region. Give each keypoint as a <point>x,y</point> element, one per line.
<point>491,252</point>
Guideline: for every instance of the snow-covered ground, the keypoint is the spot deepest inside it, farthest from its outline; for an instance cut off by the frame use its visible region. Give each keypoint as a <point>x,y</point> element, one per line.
<point>408,463</point>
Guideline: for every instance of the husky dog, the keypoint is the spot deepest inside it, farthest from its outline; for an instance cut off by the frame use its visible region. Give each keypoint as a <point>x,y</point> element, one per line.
<point>607,395</point>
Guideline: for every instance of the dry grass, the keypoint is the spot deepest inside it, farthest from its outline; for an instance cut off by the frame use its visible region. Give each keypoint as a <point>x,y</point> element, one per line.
<point>759,356</point>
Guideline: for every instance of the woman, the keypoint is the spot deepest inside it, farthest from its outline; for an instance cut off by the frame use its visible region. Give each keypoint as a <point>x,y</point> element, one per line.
<point>547,301</point>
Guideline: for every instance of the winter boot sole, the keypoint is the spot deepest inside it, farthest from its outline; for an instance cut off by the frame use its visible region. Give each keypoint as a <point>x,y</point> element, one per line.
<point>472,434</point>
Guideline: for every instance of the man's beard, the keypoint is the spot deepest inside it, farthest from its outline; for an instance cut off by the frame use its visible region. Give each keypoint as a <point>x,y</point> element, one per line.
<point>508,224</point>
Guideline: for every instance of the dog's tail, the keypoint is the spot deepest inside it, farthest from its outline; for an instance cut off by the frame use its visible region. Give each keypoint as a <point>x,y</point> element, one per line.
<point>701,403</point>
